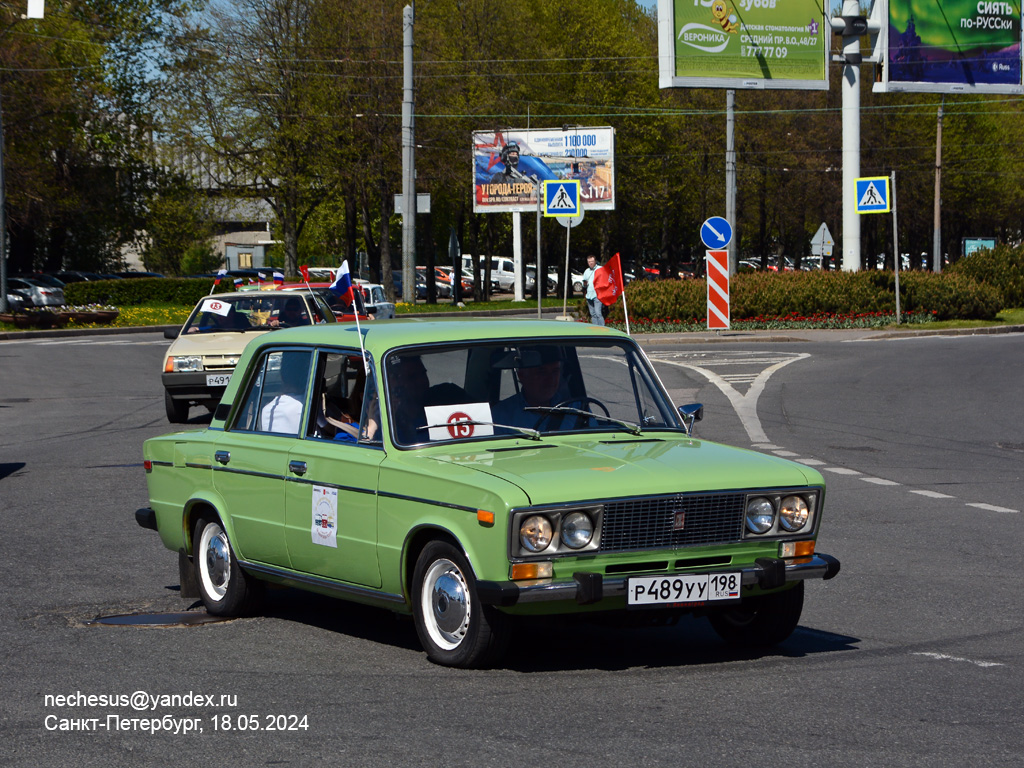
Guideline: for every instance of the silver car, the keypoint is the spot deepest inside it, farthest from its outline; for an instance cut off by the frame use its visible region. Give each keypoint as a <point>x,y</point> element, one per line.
<point>39,294</point>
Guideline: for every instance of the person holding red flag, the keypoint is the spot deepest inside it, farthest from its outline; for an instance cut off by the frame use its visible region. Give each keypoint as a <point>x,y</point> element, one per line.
<point>593,303</point>
<point>609,285</point>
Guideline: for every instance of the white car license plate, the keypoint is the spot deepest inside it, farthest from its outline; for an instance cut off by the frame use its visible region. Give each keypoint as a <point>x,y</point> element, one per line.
<point>683,589</point>
<point>217,379</point>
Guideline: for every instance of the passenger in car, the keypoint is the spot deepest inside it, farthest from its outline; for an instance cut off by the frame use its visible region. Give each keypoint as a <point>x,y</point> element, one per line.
<point>283,414</point>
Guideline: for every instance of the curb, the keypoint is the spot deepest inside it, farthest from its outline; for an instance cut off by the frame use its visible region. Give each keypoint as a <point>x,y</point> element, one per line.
<point>644,339</point>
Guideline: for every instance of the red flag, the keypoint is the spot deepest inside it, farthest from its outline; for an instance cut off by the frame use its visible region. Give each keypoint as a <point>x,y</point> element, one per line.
<point>305,272</point>
<point>608,283</point>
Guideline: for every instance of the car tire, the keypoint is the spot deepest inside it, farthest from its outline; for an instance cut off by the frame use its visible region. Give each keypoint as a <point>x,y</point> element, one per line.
<point>763,620</point>
<point>177,410</point>
<point>224,588</point>
<point>577,287</point>
<point>454,627</point>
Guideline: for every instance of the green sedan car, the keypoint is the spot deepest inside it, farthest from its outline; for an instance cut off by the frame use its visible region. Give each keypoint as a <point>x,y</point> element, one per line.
<point>471,471</point>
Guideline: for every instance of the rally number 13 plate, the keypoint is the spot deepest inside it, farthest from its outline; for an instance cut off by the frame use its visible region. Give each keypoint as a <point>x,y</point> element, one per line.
<point>686,589</point>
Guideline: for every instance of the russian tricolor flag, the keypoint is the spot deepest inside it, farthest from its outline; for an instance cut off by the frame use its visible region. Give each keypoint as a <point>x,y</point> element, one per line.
<point>278,278</point>
<point>342,285</point>
<point>238,281</point>
<point>220,274</point>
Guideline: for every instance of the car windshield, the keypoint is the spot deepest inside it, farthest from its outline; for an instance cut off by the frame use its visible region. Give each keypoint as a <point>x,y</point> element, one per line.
<point>522,389</point>
<point>246,312</point>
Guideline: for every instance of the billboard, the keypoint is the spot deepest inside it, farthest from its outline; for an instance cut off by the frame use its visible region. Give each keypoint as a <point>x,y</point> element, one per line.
<point>955,46</point>
<point>742,44</point>
<point>510,166</point>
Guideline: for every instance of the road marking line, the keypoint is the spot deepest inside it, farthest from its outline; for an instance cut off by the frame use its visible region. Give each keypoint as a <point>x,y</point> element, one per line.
<point>993,508</point>
<point>765,446</point>
<point>810,462</point>
<point>785,454</point>
<point>841,470</point>
<point>934,494</point>
<point>879,481</point>
<point>947,657</point>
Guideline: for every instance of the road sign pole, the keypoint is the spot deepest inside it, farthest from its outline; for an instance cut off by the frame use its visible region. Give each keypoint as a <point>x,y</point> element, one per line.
<point>895,246</point>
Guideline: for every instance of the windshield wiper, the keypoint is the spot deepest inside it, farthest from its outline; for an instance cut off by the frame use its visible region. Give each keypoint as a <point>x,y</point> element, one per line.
<point>634,428</point>
<point>531,433</point>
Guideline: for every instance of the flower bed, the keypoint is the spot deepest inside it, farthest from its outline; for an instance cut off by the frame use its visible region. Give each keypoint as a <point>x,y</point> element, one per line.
<point>791,321</point>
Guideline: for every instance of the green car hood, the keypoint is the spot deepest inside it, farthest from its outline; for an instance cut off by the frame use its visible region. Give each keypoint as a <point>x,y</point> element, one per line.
<point>559,471</point>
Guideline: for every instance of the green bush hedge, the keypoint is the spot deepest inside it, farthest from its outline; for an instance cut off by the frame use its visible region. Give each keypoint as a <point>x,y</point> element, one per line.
<point>1001,268</point>
<point>186,291</point>
<point>768,294</point>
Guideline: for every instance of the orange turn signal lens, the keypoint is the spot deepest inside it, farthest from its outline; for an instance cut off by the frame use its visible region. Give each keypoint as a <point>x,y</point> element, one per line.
<point>169,365</point>
<point>527,571</point>
<point>484,518</point>
<point>796,549</point>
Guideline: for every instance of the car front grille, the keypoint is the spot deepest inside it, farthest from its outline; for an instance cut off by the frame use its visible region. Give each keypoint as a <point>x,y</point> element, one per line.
<point>651,523</point>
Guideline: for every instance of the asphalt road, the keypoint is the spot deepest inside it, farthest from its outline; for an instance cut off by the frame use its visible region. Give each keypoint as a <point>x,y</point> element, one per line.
<point>911,656</point>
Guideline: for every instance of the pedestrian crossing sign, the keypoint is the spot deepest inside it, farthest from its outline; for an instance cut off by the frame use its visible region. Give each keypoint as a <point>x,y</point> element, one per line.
<point>873,195</point>
<point>562,198</point>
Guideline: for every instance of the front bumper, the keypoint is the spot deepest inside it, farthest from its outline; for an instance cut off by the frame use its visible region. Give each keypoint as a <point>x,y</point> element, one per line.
<point>588,588</point>
<point>192,386</point>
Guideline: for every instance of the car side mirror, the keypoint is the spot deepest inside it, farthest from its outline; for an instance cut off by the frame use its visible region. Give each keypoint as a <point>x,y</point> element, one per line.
<point>171,333</point>
<point>691,413</point>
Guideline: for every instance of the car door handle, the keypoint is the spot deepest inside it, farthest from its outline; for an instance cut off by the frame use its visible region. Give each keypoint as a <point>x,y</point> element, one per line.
<point>297,467</point>
<point>222,456</point>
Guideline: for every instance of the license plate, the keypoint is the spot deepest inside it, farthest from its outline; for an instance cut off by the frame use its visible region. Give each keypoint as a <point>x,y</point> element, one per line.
<point>217,379</point>
<point>690,589</point>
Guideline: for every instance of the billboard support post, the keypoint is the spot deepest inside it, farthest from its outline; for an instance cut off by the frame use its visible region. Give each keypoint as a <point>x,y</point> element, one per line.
<point>851,139</point>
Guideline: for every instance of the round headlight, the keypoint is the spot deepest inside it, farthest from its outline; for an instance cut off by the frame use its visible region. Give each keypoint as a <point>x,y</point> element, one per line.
<point>760,514</point>
<point>577,530</point>
<point>793,513</point>
<point>535,533</point>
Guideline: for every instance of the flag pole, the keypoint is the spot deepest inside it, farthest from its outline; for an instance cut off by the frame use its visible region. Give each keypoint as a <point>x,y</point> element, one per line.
<point>625,309</point>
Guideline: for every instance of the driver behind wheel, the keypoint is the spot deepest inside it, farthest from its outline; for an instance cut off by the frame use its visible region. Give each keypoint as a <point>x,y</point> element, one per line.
<point>539,372</point>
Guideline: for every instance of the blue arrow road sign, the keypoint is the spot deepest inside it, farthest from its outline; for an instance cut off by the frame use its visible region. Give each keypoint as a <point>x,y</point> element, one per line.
<point>716,233</point>
<point>562,198</point>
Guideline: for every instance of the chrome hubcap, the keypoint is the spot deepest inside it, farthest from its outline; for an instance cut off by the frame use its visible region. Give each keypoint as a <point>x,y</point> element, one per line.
<point>217,560</point>
<point>446,604</point>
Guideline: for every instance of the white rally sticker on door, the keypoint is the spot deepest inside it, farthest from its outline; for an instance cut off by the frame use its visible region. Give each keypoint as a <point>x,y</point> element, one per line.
<point>324,530</point>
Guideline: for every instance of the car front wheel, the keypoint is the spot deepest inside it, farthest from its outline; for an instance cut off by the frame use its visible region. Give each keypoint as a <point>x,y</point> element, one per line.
<point>225,589</point>
<point>455,629</point>
<point>763,620</point>
<point>177,410</point>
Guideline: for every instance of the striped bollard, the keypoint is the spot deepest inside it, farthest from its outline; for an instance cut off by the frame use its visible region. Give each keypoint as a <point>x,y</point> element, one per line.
<point>718,289</point>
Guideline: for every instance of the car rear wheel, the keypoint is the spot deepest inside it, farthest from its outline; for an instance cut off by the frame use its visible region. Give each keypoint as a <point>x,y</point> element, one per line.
<point>455,629</point>
<point>225,589</point>
<point>763,620</point>
<point>177,410</point>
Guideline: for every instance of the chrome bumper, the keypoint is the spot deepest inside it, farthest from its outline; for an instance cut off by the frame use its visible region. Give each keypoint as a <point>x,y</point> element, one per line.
<point>587,588</point>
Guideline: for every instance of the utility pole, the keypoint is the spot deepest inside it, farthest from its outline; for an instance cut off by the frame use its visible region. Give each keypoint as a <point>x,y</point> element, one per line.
<point>408,163</point>
<point>730,173</point>
<point>937,224</point>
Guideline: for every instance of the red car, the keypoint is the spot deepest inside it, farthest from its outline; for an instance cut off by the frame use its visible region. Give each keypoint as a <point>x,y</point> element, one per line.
<point>343,312</point>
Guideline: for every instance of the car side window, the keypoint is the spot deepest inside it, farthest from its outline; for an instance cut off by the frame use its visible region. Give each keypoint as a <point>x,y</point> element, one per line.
<point>277,393</point>
<point>337,396</point>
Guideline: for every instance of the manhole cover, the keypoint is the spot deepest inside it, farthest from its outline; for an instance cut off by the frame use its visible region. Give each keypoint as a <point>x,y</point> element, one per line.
<point>157,619</point>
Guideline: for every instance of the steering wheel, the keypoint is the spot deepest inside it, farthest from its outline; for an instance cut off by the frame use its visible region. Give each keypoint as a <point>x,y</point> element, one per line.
<point>575,402</point>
